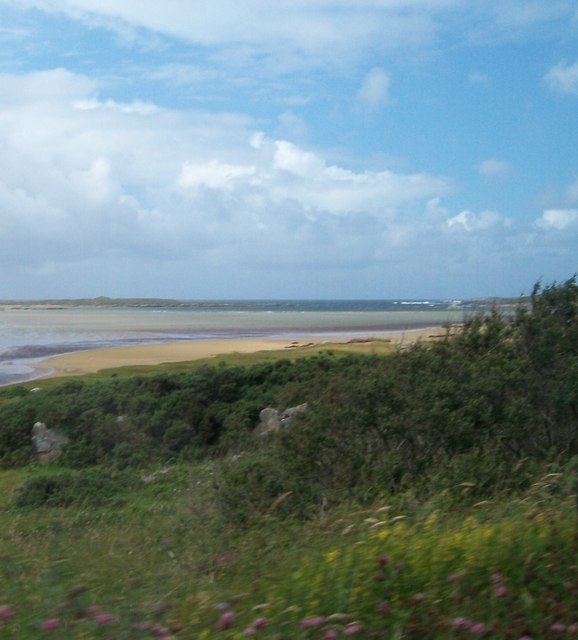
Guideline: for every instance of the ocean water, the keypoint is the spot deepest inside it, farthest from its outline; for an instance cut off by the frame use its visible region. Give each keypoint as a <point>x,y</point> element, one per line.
<point>30,334</point>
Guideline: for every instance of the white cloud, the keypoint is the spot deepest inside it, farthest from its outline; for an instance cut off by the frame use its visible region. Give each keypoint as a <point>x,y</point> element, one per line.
<point>483,222</point>
<point>558,219</point>
<point>374,89</point>
<point>313,32</point>
<point>563,77</point>
<point>84,179</point>
<point>215,175</point>
<point>493,167</point>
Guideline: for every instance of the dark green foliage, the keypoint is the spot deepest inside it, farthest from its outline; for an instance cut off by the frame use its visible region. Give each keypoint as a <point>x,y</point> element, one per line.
<point>137,421</point>
<point>485,407</point>
<point>89,487</point>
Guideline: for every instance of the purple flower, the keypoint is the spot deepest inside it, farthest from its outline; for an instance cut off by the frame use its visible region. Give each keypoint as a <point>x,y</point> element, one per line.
<point>6,612</point>
<point>260,623</point>
<point>558,627</point>
<point>158,631</point>
<point>310,623</point>
<point>352,629</point>
<point>461,623</point>
<point>50,624</point>
<point>382,560</point>
<point>501,591</point>
<point>227,619</point>
<point>330,634</point>
<point>250,631</point>
<point>103,618</point>
<point>92,611</point>
<point>479,629</point>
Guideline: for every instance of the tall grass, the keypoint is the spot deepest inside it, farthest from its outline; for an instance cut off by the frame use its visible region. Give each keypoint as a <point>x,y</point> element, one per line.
<point>166,564</point>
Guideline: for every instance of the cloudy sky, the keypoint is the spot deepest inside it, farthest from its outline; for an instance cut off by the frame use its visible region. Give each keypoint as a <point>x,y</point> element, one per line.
<point>287,148</point>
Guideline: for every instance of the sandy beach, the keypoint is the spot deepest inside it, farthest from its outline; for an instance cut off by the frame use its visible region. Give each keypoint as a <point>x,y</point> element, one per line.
<point>93,360</point>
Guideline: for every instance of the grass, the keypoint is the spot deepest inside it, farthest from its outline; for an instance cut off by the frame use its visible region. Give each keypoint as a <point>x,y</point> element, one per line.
<point>165,562</point>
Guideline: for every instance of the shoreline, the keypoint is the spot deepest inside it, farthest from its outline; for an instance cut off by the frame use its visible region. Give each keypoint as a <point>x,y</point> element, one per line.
<point>93,360</point>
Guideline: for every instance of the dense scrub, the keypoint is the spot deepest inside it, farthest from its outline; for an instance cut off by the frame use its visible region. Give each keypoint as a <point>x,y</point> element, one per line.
<point>487,407</point>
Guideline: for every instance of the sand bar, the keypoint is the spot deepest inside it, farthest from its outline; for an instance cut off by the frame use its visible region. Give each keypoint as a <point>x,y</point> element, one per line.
<point>93,360</point>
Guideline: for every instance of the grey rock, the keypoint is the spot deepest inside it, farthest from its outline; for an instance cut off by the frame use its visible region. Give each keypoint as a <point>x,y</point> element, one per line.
<point>47,442</point>
<point>272,420</point>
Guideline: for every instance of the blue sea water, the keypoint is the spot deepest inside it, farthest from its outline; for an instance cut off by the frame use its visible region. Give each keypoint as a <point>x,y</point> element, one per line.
<point>29,334</point>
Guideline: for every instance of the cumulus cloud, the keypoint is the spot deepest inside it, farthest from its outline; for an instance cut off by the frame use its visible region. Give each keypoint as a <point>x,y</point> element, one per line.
<point>492,167</point>
<point>563,77</point>
<point>83,178</point>
<point>558,219</point>
<point>374,90</point>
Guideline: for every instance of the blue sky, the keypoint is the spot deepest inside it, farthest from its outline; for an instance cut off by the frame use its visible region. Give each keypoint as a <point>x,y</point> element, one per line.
<point>288,149</point>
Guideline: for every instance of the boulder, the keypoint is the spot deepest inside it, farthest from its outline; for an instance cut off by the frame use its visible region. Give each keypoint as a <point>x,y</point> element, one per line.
<point>272,419</point>
<point>47,442</point>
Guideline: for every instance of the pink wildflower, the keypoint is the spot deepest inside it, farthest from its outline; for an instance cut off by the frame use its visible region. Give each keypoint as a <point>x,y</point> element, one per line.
<point>572,629</point>
<point>461,623</point>
<point>496,578</point>
<point>6,612</point>
<point>50,624</point>
<point>383,559</point>
<point>310,623</point>
<point>260,623</point>
<point>501,591</point>
<point>479,629</point>
<point>558,627</point>
<point>250,631</point>
<point>227,619</point>
<point>92,611</point>
<point>352,629</point>
<point>330,634</point>
<point>103,618</point>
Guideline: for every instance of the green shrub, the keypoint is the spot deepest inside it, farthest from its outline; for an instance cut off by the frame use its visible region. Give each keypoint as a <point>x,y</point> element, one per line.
<point>89,487</point>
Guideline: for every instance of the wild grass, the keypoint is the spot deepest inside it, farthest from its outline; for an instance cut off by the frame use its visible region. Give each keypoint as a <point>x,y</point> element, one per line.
<point>165,564</point>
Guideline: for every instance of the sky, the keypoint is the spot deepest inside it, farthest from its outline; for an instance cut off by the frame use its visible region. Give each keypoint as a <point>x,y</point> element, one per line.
<point>291,149</point>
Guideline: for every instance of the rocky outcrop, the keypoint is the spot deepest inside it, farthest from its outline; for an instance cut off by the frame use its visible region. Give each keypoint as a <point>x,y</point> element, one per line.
<point>47,442</point>
<point>272,419</point>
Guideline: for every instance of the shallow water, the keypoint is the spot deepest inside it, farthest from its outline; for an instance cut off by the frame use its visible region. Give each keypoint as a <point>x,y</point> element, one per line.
<point>28,335</point>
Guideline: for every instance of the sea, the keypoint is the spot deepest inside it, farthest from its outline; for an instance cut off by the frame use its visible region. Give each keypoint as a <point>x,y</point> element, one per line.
<point>31,333</point>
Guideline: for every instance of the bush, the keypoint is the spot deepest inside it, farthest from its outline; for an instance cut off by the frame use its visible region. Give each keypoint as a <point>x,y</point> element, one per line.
<point>89,487</point>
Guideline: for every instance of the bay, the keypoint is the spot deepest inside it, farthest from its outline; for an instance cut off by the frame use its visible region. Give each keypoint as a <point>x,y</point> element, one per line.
<point>31,333</point>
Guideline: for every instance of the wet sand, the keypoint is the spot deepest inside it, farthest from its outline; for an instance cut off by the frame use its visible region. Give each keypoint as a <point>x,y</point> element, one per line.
<point>93,360</point>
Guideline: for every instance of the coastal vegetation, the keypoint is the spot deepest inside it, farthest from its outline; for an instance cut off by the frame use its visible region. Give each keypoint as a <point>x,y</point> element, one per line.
<point>427,493</point>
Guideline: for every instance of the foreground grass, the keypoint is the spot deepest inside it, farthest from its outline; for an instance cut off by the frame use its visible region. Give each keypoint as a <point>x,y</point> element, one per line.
<point>162,562</point>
